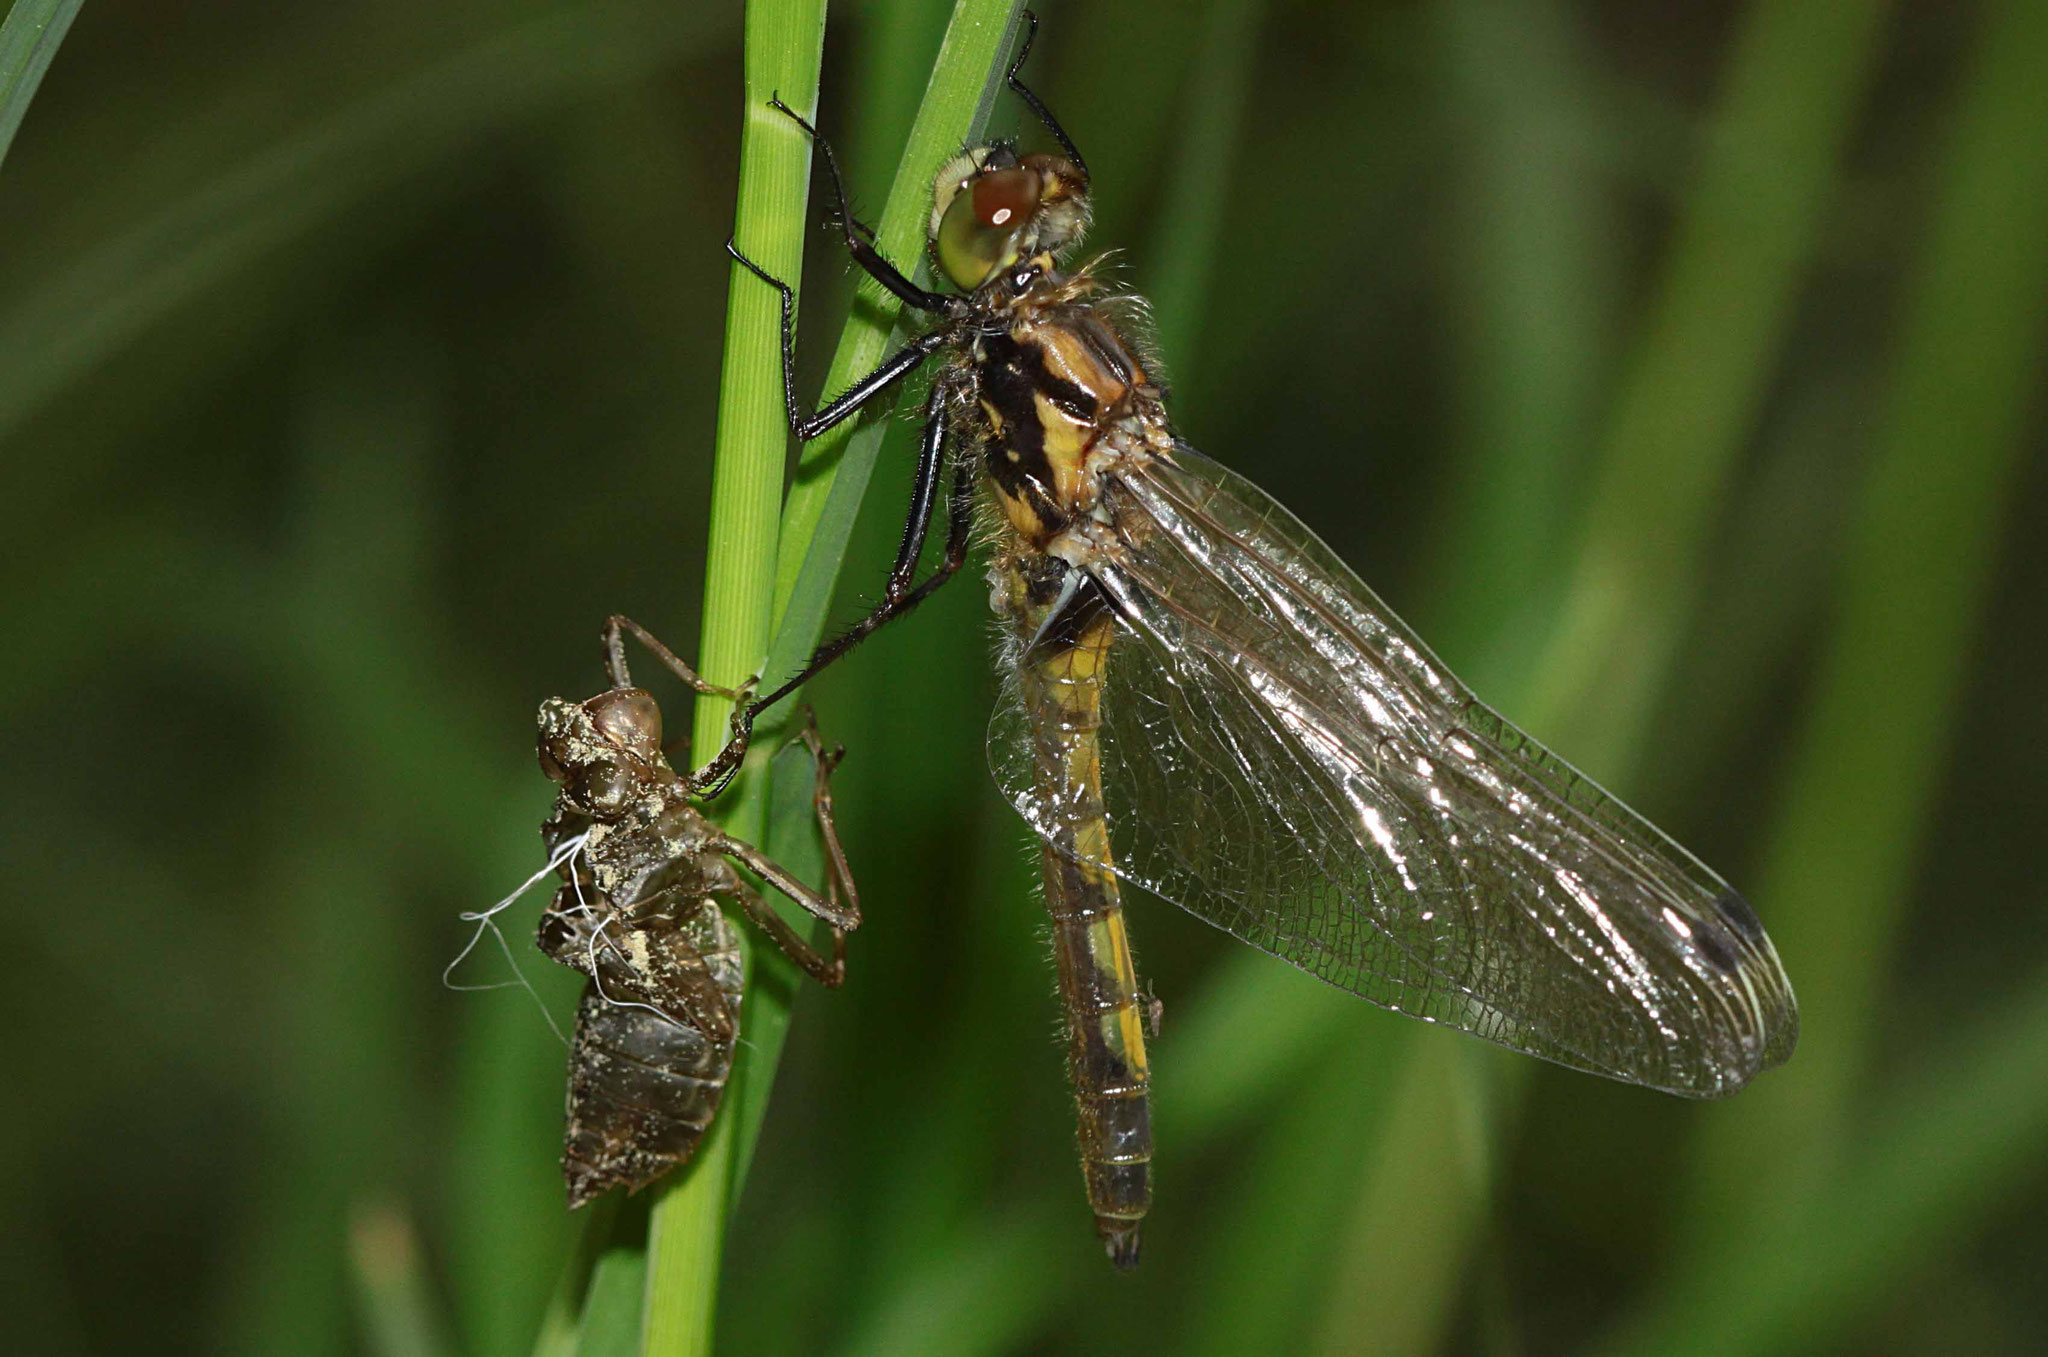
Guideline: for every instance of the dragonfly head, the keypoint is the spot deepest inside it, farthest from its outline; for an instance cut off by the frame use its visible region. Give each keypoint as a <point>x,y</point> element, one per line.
<point>992,208</point>
<point>603,752</point>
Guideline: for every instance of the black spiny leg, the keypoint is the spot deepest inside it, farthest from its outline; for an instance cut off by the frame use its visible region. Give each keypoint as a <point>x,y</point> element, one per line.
<point>1033,102</point>
<point>860,244</point>
<point>900,596</point>
<point>863,251</point>
<point>901,363</point>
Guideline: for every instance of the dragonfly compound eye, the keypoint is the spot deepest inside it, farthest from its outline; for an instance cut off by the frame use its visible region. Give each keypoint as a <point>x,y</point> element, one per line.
<point>980,228</point>
<point>604,787</point>
<point>630,719</point>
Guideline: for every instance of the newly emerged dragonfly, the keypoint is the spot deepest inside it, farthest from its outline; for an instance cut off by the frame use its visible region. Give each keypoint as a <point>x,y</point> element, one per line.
<point>1200,698</point>
<point>645,876</point>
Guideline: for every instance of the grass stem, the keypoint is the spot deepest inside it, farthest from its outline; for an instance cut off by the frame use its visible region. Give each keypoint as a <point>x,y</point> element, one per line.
<point>757,558</point>
<point>784,46</point>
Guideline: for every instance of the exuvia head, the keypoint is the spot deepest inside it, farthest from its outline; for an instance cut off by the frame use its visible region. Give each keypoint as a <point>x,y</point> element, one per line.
<point>992,208</point>
<point>604,751</point>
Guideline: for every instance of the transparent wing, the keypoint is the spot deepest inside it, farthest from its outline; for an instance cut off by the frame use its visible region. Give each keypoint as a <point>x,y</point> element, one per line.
<point>1282,757</point>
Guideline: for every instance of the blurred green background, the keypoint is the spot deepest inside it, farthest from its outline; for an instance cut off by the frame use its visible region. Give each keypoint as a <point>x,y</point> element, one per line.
<point>1677,369</point>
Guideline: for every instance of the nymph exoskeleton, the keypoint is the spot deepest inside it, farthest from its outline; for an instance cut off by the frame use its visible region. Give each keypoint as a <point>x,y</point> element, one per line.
<point>641,912</point>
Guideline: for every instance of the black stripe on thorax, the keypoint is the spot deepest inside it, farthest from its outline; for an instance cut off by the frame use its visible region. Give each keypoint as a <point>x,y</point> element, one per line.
<point>1068,397</point>
<point>1009,376</point>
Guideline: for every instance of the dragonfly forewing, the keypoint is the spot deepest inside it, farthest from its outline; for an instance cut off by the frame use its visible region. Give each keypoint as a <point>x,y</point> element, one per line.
<point>1283,758</point>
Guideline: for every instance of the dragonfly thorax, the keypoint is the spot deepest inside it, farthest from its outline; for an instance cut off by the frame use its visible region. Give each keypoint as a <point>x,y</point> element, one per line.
<point>1046,390</point>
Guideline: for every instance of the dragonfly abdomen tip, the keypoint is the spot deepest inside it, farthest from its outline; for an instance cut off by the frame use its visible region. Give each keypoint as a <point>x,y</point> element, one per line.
<point>1120,1240</point>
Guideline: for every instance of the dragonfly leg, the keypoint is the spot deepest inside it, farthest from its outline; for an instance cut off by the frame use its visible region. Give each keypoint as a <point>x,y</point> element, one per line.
<point>838,876</point>
<point>829,906</point>
<point>720,770</point>
<point>902,595</point>
<point>1033,102</point>
<point>827,971</point>
<point>840,905</point>
<point>848,402</point>
<point>713,777</point>
<point>615,629</point>
<point>863,251</point>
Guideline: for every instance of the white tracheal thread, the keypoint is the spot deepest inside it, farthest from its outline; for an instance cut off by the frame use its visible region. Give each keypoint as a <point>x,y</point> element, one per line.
<point>597,978</point>
<point>590,950</point>
<point>487,919</point>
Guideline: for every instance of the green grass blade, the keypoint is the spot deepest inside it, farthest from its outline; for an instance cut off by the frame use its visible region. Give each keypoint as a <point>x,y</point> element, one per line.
<point>690,1217</point>
<point>818,517</point>
<point>898,43</point>
<point>560,1322</point>
<point>785,42</point>
<point>1689,400</point>
<point>113,292</point>
<point>29,38</point>
<point>832,473</point>
<point>1914,580</point>
<point>610,1325</point>
<point>1956,1143</point>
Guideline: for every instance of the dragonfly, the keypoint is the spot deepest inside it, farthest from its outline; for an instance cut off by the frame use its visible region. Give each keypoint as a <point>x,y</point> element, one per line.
<point>641,913</point>
<point>1203,700</point>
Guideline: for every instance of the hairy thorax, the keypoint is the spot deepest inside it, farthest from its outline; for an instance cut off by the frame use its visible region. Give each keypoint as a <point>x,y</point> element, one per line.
<point>1048,386</point>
